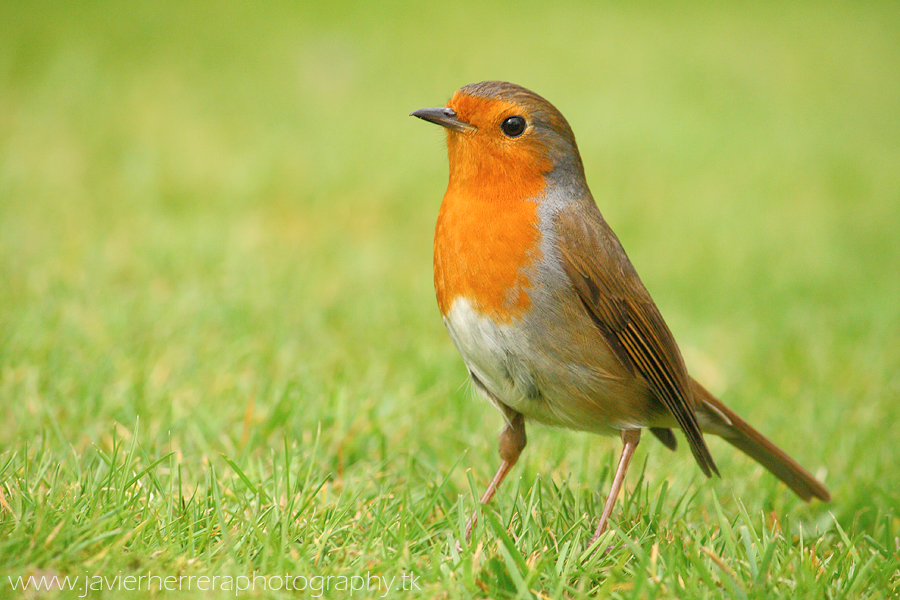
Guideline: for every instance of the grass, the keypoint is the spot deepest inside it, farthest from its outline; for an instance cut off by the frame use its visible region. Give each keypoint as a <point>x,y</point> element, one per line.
<point>219,350</point>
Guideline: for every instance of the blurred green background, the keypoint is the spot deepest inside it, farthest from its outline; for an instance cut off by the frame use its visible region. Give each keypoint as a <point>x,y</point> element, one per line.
<point>216,219</point>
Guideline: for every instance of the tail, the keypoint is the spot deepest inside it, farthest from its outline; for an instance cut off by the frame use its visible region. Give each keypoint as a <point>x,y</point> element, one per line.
<point>718,419</point>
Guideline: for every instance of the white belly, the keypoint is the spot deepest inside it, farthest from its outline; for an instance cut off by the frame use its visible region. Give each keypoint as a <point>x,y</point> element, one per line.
<point>502,360</point>
<point>534,376</point>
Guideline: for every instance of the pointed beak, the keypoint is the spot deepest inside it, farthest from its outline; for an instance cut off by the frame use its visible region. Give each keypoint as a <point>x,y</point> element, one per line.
<point>445,117</point>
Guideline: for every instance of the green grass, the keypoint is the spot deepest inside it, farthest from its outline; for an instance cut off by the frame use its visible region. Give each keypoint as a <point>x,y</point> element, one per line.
<point>219,350</point>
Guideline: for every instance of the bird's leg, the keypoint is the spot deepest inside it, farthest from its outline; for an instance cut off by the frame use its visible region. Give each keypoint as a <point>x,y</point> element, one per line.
<point>630,438</point>
<point>512,441</point>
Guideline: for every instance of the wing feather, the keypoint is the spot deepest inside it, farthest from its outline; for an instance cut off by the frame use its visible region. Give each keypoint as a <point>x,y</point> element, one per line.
<point>623,311</point>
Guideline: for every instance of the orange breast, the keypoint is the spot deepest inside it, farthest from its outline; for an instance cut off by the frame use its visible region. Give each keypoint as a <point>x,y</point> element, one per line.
<point>486,243</point>
<point>487,238</point>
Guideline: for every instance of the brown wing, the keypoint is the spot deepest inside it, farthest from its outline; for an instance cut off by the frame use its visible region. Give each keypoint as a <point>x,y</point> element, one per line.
<point>623,311</point>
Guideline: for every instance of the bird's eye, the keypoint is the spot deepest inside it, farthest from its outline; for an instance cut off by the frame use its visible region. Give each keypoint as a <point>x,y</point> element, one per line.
<point>513,126</point>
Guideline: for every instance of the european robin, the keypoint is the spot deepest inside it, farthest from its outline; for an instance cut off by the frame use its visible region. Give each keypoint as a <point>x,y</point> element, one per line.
<point>543,304</point>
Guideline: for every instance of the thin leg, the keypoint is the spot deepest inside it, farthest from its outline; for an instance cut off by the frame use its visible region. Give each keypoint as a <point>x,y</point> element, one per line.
<point>512,441</point>
<point>631,438</point>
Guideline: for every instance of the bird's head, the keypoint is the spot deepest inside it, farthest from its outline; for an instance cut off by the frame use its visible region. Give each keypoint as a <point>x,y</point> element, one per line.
<point>499,129</point>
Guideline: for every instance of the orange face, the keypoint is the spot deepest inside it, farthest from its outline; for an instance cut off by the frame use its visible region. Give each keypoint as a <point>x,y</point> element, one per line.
<point>512,166</point>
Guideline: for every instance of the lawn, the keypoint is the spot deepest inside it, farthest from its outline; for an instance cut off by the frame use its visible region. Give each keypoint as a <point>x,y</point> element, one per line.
<point>221,361</point>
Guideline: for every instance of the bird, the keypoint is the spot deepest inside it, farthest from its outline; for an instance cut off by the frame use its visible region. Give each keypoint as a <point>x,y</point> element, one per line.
<point>546,309</point>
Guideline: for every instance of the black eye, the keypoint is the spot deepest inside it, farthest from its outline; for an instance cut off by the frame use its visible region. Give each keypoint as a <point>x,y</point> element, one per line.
<point>513,126</point>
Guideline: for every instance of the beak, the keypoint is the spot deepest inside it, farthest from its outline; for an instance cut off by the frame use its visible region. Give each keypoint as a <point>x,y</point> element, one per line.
<point>445,117</point>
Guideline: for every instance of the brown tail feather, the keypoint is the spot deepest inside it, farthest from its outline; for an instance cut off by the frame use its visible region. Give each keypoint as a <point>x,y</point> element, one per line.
<point>720,420</point>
